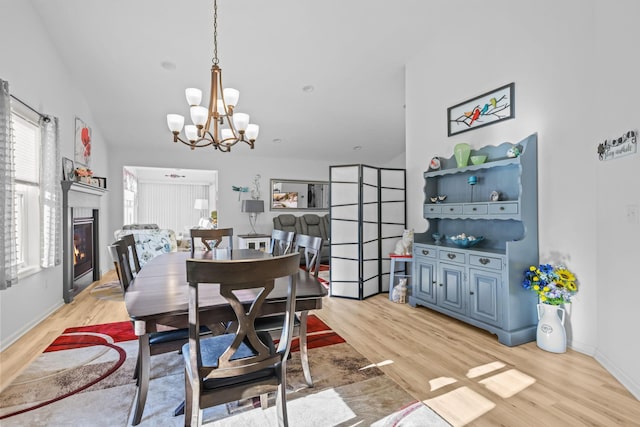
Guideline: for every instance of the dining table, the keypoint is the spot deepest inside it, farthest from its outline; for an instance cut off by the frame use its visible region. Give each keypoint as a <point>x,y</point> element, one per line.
<point>158,297</point>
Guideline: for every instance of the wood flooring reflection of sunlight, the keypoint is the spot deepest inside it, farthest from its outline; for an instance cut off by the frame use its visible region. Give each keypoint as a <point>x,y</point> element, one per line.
<point>463,405</point>
<point>508,383</point>
<point>460,406</point>
<point>484,369</point>
<point>441,382</point>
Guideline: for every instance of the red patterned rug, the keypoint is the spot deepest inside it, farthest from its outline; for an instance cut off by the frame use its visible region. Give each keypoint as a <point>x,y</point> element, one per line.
<point>85,377</point>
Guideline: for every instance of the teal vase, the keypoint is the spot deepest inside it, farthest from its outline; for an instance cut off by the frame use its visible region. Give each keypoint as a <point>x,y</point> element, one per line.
<point>462,152</point>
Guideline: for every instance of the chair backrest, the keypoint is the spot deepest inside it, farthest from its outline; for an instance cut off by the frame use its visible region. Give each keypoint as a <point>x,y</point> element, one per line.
<point>130,242</point>
<point>281,242</point>
<point>120,256</point>
<point>234,278</point>
<point>310,246</point>
<point>211,237</point>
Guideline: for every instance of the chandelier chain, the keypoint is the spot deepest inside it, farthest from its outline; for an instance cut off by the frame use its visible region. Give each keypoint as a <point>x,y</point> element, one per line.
<point>215,33</point>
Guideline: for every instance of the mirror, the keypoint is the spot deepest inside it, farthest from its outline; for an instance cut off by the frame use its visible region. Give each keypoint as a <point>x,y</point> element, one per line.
<point>295,194</point>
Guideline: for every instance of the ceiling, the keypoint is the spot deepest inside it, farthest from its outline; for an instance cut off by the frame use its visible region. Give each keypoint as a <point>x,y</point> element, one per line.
<point>351,51</point>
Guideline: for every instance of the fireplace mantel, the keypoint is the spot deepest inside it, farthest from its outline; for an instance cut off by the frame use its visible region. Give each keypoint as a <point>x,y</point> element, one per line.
<point>76,195</point>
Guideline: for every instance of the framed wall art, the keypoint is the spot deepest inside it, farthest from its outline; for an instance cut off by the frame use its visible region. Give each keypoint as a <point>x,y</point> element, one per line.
<point>68,170</point>
<point>102,182</point>
<point>82,150</point>
<point>489,108</point>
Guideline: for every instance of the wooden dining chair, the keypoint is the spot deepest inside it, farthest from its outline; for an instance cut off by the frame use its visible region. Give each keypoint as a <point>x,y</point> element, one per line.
<point>246,362</point>
<point>211,237</point>
<point>309,247</point>
<point>281,242</point>
<point>159,342</point>
<point>130,242</point>
<point>120,257</point>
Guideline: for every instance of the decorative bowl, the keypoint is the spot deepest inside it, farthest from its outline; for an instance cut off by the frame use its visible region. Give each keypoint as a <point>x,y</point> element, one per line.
<point>464,241</point>
<point>478,160</point>
<point>437,237</point>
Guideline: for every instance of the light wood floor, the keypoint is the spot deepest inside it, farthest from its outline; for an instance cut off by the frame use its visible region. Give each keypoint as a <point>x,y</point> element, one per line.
<point>459,370</point>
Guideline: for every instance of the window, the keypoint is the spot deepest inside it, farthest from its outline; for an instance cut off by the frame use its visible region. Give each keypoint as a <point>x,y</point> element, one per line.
<point>27,135</point>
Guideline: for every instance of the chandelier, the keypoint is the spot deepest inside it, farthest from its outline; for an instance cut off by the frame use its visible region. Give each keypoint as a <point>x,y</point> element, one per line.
<point>218,125</point>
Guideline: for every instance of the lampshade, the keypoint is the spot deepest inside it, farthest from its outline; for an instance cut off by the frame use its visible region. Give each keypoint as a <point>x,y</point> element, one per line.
<point>253,206</point>
<point>201,204</point>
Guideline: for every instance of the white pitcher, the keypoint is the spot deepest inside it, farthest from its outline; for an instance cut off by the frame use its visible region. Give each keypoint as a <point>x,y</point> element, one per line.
<point>551,335</point>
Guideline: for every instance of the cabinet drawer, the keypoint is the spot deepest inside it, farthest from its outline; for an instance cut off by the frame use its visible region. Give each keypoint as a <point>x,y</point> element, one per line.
<point>452,256</point>
<point>432,209</point>
<point>486,262</point>
<point>503,208</point>
<point>450,209</point>
<point>476,209</point>
<point>426,252</point>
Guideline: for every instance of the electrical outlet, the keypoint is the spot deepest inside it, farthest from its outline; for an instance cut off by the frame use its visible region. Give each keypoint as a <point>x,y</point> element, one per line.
<point>633,214</point>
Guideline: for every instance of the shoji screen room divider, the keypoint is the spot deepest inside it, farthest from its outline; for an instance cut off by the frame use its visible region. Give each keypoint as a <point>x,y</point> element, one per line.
<point>368,215</point>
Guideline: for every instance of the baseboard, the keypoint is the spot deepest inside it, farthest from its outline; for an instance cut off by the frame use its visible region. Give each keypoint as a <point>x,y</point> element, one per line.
<point>612,368</point>
<point>6,343</point>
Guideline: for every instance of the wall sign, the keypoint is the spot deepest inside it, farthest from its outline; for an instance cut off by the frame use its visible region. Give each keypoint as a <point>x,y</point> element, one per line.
<point>624,145</point>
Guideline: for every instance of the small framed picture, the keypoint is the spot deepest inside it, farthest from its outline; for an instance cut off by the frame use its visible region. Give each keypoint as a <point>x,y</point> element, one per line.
<point>101,182</point>
<point>95,181</point>
<point>495,196</point>
<point>68,170</point>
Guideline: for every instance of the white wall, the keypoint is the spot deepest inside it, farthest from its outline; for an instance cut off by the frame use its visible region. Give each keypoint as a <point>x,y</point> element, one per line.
<point>564,91</point>
<point>29,62</point>
<point>617,90</point>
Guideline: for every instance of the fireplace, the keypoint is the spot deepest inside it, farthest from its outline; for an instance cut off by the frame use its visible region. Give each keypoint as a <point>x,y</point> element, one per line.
<point>80,237</point>
<point>82,249</point>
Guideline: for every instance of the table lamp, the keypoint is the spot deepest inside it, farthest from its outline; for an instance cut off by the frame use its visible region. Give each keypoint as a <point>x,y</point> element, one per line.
<point>253,208</point>
<point>202,205</point>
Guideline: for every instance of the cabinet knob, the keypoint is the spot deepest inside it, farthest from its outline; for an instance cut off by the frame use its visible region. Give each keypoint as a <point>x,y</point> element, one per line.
<point>501,208</point>
<point>433,282</point>
<point>471,293</point>
<point>441,284</point>
<point>451,256</point>
<point>484,261</point>
<point>474,209</point>
<point>450,209</point>
<point>425,252</point>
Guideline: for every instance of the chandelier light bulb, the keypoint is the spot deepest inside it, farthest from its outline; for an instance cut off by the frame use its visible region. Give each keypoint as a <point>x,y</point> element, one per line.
<point>241,121</point>
<point>225,135</point>
<point>252,132</point>
<point>231,96</point>
<point>221,110</point>
<point>192,132</point>
<point>199,115</point>
<point>175,122</point>
<point>194,96</point>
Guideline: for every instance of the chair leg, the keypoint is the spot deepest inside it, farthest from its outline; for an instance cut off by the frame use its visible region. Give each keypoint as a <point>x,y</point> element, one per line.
<point>144,356</point>
<point>137,370</point>
<point>304,354</point>
<point>264,401</point>
<point>281,397</point>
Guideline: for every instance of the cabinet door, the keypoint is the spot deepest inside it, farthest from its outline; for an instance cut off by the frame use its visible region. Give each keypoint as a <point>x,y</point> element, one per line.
<point>484,290</point>
<point>424,283</point>
<point>451,287</point>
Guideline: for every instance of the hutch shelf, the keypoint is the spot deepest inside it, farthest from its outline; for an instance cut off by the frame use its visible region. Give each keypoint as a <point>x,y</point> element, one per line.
<point>481,285</point>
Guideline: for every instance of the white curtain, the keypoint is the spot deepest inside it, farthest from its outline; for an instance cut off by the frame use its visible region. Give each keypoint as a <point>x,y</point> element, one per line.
<point>170,205</point>
<point>8,256</point>
<point>50,194</point>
